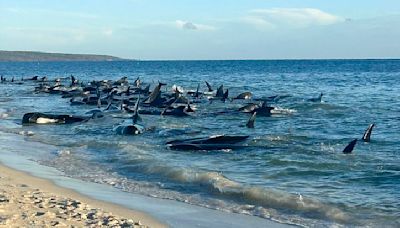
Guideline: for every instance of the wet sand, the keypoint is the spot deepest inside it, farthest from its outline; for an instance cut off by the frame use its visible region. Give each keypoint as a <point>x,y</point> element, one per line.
<point>27,201</point>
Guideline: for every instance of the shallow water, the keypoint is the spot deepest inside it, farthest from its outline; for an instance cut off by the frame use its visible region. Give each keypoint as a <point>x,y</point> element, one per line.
<point>292,169</point>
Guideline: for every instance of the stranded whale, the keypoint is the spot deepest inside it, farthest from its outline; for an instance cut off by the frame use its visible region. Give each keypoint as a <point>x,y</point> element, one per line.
<point>215,142</point>
<point>43,118</point>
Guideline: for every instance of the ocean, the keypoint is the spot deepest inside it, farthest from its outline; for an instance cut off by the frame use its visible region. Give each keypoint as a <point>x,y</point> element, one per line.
<point>291,170</point>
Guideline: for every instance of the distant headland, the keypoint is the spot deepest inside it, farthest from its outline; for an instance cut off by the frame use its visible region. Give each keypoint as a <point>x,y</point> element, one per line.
<point>33,56</point>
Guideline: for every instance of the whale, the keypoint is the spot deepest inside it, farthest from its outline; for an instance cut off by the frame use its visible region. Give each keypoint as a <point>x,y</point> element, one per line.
<point>179,111</point>
<point>43,118</point>
<point>244,96</point>
<point>264,109</point>
<point>34,78</point>
<point>135,116</point>
<point>137,82</point>
<point>195,93</point>
<point>154,98</point>
<point>134,128</point>
<point>74,81</point>
<point>350,147</point>
<point>316,99</point>
<point>210,89</point>
<point>248,108</point>
<point>225,96</point>
<point>214,142</point>
<point>189,108</point>
<point>367,135</point>
<point>250,122</point>
<point>220,92</point>
<point>121,81</point>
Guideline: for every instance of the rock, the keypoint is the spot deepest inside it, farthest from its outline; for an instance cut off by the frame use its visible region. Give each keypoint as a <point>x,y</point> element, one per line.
<point>75,215</point>
<point>112,223</point>
<point>40,213</point>
<point>75,204</point>
<point>4,199</point>
<point>54,223</point>
<point>91,215</point>
<point>62,207</point>
<point>126,225</point>
<point>23,186</point>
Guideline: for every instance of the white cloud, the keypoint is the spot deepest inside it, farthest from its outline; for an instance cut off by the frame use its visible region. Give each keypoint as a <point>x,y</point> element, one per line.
<point>290,17</point>
<point>186,25</point>
<point>258,22</point>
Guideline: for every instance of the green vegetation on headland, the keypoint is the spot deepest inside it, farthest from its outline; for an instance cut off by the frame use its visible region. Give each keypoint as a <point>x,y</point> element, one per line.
<point>30,56</point>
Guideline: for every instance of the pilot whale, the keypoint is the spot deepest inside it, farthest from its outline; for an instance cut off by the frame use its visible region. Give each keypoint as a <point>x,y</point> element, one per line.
<point>250,122</point>
<point>349,148</point>
<point>215,142</point>
<point>367,135</point>
<point>316,99</point>
<point>43,118</point>
<point>134,128</point>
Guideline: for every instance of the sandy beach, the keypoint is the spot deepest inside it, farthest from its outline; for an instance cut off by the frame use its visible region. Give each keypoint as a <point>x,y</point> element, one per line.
<point>27,201</point>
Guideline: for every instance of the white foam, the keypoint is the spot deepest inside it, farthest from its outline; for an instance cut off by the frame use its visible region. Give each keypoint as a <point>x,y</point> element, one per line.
<point>279,110</point>
<point>3,115</point>
<point>26,133</point>
<point>63,152</point>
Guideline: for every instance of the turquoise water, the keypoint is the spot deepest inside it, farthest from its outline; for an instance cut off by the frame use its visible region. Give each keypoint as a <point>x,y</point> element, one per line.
<point>291,170</point>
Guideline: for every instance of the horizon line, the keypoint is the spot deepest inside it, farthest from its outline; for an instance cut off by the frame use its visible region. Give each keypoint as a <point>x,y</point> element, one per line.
<point>268,59</point>
<point>238,59</point>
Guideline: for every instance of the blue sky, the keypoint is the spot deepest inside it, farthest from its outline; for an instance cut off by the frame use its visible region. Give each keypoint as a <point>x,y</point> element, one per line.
<point>205,29</point>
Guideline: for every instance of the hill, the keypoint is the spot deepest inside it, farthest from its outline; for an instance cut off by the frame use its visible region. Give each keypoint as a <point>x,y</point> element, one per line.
<point>30,56</point>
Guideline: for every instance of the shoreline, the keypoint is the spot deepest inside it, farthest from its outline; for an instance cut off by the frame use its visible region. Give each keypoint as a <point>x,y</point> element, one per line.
<point>26,200</point>
<point>164,212</point>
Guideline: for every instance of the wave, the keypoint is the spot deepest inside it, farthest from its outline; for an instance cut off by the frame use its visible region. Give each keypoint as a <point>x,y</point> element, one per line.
<point>282,111</point>
<point>220,186</point>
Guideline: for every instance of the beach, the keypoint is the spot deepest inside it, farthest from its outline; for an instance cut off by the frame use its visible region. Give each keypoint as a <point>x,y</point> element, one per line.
<point>27,201</point>
<point>199,114</point>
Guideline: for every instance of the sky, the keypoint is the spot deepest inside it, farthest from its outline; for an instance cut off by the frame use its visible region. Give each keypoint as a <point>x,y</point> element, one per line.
<point>204,29</point>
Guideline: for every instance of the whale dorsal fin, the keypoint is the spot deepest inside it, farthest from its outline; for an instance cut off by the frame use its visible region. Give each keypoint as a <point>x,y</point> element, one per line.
<point>349,148</point>
<point>135,116</point>
<point>209,87</point>
<point>367,135</point>
<point>250,122</point>
<point>220,91</point>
